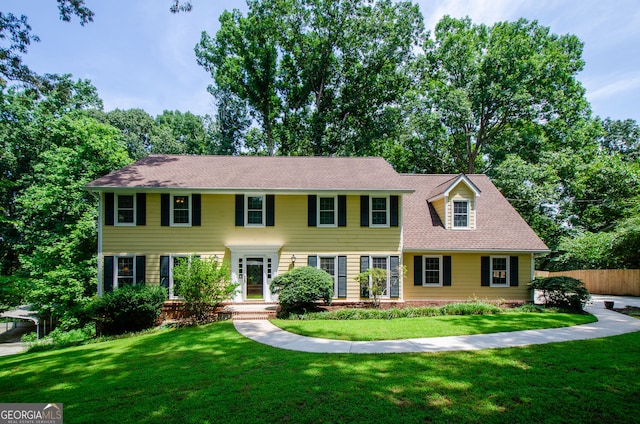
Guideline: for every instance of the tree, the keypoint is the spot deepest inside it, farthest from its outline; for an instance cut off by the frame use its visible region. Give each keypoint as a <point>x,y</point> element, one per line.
<point>187,132</point>
<point>136,127</point>
<point>622,137</point>
<point>373,282</point>
<point>57,218</point>
<point>320,77</point>
<point>487,84</point>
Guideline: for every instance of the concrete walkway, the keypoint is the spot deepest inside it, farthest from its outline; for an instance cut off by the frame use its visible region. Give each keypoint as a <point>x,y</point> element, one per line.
<point>609,323</point>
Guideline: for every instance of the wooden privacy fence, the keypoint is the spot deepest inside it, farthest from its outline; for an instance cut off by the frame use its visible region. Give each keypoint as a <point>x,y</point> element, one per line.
<point>620,282</point>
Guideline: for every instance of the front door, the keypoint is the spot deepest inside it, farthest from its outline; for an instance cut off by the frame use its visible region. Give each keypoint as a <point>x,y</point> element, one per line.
<point>255,278</point>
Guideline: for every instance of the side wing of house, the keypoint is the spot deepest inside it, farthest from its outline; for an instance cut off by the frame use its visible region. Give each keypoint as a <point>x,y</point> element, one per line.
<point>463,240</point>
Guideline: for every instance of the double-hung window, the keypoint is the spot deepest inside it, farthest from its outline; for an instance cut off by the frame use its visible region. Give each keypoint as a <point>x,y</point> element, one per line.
<point>255,211</point>
<point>460,214</point>
<point>125,269</point>
<point>379,211</point>
<point>126,209</point>
<point>432,271</point>
<point>499,271</point>
<point>180,210</point>
<point>327,212</point>
<point>328,264</point>
<point>382,262</point>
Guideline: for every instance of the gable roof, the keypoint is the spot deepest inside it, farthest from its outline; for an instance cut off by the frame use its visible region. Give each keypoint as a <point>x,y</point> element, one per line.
<point>444,188</point>
<point>499,227</point>
<point>269,173</point>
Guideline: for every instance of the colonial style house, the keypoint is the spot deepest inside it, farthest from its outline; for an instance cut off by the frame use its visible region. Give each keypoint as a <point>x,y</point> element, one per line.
<point>440,237</point>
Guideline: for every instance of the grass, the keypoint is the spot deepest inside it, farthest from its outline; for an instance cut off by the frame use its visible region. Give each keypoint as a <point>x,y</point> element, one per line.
<point>212,374</point>
<point>410,328</point>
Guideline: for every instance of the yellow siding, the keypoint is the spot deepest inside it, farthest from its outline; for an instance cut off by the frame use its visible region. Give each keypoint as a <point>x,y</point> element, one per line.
<point>218,230</point>
<point>439,206</point>
<point>465,280</point>
<point>461,192</point>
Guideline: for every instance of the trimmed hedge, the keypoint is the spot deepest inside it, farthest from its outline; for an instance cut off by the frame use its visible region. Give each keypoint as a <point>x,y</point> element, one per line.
<point>300,288</point>
<point>128,309</point>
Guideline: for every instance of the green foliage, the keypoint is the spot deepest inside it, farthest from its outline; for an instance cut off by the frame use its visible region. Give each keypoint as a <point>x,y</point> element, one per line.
<point>466,308</point>
<point>300,288</point>
<point>13,291</point>
<point>128,309</point>
<point>373,282</point>
<point>204,283</point>
<point>59,338</point>
<point>562,292</point>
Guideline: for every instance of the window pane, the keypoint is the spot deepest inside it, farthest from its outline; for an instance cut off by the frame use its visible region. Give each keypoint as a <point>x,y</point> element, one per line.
<point>125,271</point>
<point>499,270</point>
<point>328,265</point>
<point>432,270</point>
<point>254,217</point>
<point>326,203</point>
<point>379,218</point>
<point>379,263</point>
<point>254,202</point>
<point>460,215</point>
<point>180,209</point>
<point>379,211</point>
<point>125,209</point>
<point>327,218</point>
<point>379,203</point>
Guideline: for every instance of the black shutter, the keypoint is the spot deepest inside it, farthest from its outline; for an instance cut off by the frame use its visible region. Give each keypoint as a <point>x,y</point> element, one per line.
<point>342,276</point>
<point>140,270</point>
<point>271,210</point>
<point>311,210</point>
<point>417,270</point>
<point>109,214</point>
<point>364,211</point>
<point>141,209</point>
<point>513,271</point>
<point>107,274</point>
<point>342,211</point>
<point>239,210</point>
<point>165,209</point>
<point>393,209</point>
<point>312,261</point>
<point>196,210</point>
<point>446,270</point>
<point>485,270</point>
<point>164,271</point>
<point>394,280</point>
<point>364,266</point>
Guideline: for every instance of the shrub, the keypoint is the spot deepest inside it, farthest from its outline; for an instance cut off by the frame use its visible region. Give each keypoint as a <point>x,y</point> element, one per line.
<point>204,283</point>
<point>473,308</point>
<point>129,309</point>
<point>59,338</point>
<point>563,292</point>
<point>373,282</point>
<point>300,288</point>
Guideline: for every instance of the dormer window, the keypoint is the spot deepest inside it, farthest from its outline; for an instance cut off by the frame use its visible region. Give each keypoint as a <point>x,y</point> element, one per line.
<point>460,214</point>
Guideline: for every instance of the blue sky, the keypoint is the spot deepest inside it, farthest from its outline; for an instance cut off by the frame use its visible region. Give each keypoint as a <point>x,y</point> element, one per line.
<point>139,55</point>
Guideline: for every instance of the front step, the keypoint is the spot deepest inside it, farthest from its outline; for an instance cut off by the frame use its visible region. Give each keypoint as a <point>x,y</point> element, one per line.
<point>248,312</point>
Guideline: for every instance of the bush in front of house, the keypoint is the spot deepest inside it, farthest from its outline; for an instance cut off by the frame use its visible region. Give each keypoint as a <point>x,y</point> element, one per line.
<point>128,309</point>
<point>562,292</point>
<point>299,289</point>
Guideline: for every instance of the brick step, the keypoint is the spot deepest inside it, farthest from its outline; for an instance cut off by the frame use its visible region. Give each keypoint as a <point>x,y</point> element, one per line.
<point>246,315</point>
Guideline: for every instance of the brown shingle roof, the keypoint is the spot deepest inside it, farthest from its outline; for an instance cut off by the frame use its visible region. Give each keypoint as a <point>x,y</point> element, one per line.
<point>499,227</point>
<point>254,173</point>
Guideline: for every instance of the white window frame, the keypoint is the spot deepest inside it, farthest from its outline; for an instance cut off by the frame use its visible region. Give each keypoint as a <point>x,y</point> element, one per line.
<point>453,214</point>
<point>386,294</point>
<point>491,283</point>
<point>117,208</point>
<point>116,276</point>
<point>424,270</point>
<point>387,212</point>
<point>335,211</point>
<point>189,210</point>
<point>172,259</point>
<point>335,270</point>
<point>246,210</point>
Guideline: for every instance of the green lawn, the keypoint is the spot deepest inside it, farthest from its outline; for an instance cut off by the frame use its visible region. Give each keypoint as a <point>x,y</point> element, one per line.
<point>410,328</point>
<point>212,374</point>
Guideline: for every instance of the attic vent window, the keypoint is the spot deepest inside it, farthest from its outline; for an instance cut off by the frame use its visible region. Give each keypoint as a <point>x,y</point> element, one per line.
<point>460,214</point>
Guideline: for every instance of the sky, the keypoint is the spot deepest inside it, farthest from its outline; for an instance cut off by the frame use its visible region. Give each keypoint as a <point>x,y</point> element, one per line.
<point>139,55</point>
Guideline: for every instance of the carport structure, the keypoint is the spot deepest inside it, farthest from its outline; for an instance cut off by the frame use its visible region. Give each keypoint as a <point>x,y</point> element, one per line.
<point>25,313</point>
